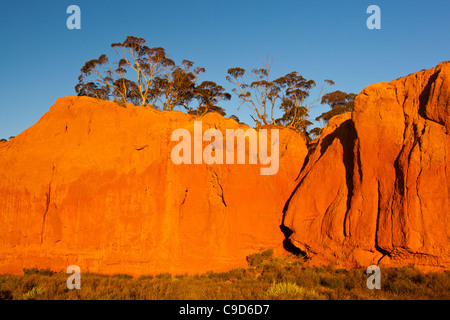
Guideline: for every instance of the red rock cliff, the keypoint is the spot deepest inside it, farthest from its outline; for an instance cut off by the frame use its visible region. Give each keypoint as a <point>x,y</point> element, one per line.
<point>384,191</point>
<point>93,184</point>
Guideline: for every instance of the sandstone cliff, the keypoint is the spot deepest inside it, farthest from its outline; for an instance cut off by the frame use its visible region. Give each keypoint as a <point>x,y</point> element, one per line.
<point>384,191</point>
<point>93,184</point>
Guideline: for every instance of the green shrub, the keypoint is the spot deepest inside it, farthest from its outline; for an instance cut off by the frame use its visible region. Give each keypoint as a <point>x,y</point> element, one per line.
<point>284,288</point>
<point>289,290</point>
<point>43,272</point>
<point>255,259</point>
<point>34,293</point>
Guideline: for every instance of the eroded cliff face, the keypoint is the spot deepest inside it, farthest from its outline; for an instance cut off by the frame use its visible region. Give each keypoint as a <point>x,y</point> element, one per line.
<point>93,184</point>
<point>384,188</point>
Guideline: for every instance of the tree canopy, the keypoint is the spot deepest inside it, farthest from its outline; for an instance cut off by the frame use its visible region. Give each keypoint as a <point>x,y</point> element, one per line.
<point>340,102</point>
<point>146,76</point>
<point>288,93</point>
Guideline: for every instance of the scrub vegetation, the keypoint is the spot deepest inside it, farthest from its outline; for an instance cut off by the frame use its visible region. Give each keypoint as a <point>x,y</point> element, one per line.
<point>266,278</point>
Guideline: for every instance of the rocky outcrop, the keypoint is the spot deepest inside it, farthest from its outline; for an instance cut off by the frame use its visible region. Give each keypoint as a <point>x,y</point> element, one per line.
<point>93,184</point>
<point>377,187</point>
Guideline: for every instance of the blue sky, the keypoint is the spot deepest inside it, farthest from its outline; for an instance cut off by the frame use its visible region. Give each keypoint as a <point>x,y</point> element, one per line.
<point>41,58</point>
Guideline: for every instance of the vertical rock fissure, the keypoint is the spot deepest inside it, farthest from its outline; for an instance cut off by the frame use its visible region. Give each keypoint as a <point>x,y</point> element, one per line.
<point>217,182</point>
<point>423,235</point>
<point>425,96</point>
<point>47,205</point>
<point>377,245</point>
<point>287,232</point>
<point>89,124</point>
<point>185,196</point>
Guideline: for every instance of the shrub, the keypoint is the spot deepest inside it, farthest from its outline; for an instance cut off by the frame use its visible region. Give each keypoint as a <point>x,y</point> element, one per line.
<point>164,275</point>
<point>122,276</point>
<point>308,277</point>
<point>289,290</point>
<point>33,293</point>
<point>43,272</point>
<point>236,274</point>
<point>331,281</point>
<point>284,288</point>
<point>256,259</point>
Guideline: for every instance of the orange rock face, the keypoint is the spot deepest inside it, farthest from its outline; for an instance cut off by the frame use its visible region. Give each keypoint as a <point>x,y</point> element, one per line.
<point>93,184</point>
<point>377,187</point>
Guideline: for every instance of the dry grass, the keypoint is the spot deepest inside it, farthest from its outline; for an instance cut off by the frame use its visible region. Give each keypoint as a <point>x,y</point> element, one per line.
<point>265,278</point>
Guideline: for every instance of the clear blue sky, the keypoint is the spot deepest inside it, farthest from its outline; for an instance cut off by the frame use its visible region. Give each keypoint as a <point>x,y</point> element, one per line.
<point>41,58</point>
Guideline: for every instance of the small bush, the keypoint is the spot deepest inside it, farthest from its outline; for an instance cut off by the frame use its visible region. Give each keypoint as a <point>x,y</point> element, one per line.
<point>42,272</point>
<point>236,274</point>
<point>289,290</point>
<point>122,276</point>
<point>284,288</point>
<point>256,259</point>
<point>34,293</point>
<point>332,282</point>
<point>163,276</point>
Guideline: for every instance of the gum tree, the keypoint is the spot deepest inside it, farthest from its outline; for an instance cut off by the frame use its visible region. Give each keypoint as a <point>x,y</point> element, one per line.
<point>177,87</point>
<point>260,95</point>
<point>294,92</point>
<point>288,93</point>
<point>104,80</point>
<point>339,102</point>
<point>146,76</point>
<point>209,94</point>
